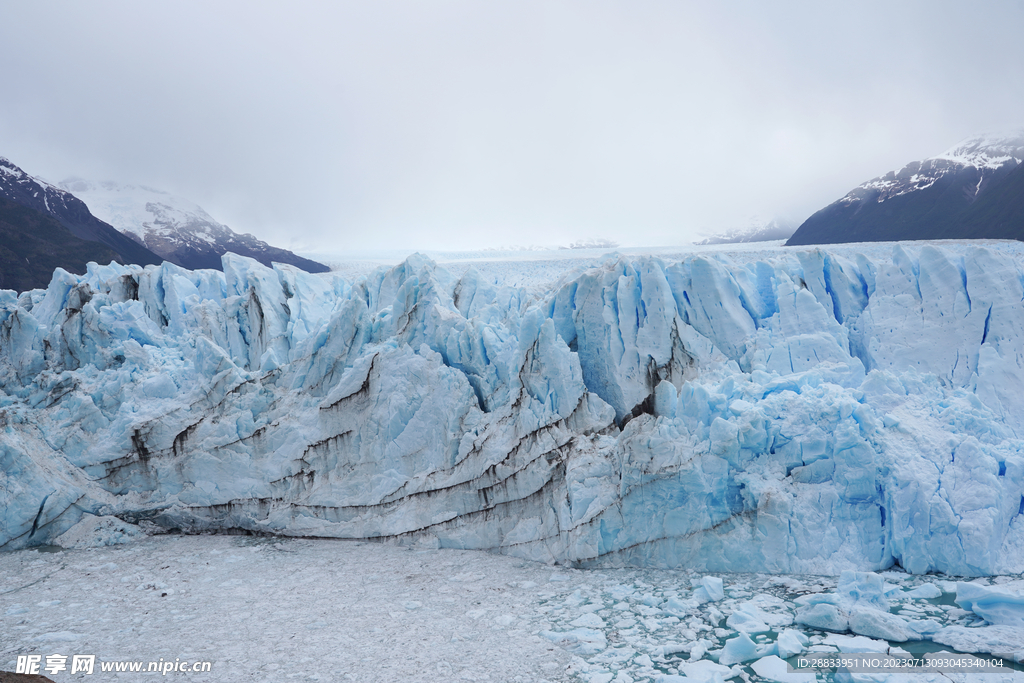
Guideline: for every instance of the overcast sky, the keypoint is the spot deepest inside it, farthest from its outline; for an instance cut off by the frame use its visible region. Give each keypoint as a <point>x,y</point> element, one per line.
<point>417,124</point>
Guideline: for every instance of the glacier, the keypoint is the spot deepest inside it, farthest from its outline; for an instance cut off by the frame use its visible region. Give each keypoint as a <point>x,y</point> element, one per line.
<point>810,411</point>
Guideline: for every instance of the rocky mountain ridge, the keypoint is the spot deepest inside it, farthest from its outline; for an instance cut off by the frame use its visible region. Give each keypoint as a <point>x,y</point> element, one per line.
<point>34,193</point>
<point>974,190</point>
<point>177,229</point>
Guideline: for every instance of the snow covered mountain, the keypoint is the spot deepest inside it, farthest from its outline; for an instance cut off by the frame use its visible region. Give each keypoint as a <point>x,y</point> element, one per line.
<point>802,411</point>
<point>175,228</point>
<point>592,243</point>
<point>974,190</point>
<point>39,195</point>
<point>758,230</point>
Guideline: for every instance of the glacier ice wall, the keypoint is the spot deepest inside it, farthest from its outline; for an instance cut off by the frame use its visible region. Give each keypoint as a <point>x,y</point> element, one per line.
<point>810,412</point>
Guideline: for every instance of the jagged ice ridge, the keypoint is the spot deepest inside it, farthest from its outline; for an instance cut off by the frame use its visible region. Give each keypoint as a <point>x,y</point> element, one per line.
<point>810,412</point>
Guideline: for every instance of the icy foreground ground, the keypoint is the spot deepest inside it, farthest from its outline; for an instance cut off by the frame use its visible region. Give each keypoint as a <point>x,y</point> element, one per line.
<point>778,411</point>
<point>283,609</point>
<point>277,609</point>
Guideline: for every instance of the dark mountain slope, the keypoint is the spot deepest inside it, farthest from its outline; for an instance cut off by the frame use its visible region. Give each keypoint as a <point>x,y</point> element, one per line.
<point>70,211</point>
<point>999,212</point>
<point>971,191</point>
<point>33,244</point>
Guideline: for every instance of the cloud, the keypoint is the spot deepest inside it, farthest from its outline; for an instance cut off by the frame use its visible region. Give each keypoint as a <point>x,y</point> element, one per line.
<point>402,123</point>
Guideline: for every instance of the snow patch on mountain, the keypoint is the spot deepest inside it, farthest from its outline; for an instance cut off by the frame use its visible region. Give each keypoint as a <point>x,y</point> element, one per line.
<point>9,169</point>
<point>175,228</point>
<point>12,177</point>
<point>139,211</point>
<point>985,153</point>
<point>758,229</point>
<point>593,243</point>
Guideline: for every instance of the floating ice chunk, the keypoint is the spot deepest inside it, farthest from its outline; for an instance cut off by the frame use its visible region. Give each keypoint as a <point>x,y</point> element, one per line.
<point>824,616</point>
<point>589,620</point>
<point>672,648</point>
<point>853,644</point>
<point>922,628</point>
<point>816,599</point>
<point>651,600</point>
<point>875,623</point>
<point>1001,640</point>
<point>705,671</point>
<point>775,669</point>
<point>581,641</point>
<point>676,606</point>
<point>713,587</point>
<point>925,591</point>
<point>790,643</point>
<point>95,531</point>
<point>747,618</point>
<point>860,604</point>
<point>864,588</point>
<point>738,650</point>
<point>995,604</point>
<point>778,616</point>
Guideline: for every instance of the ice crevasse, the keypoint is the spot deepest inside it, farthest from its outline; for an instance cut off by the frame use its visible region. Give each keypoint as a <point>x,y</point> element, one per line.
<point>807,412</point>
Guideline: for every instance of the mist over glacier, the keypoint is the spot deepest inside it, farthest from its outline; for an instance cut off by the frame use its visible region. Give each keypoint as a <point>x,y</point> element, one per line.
<point>792,411</point>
